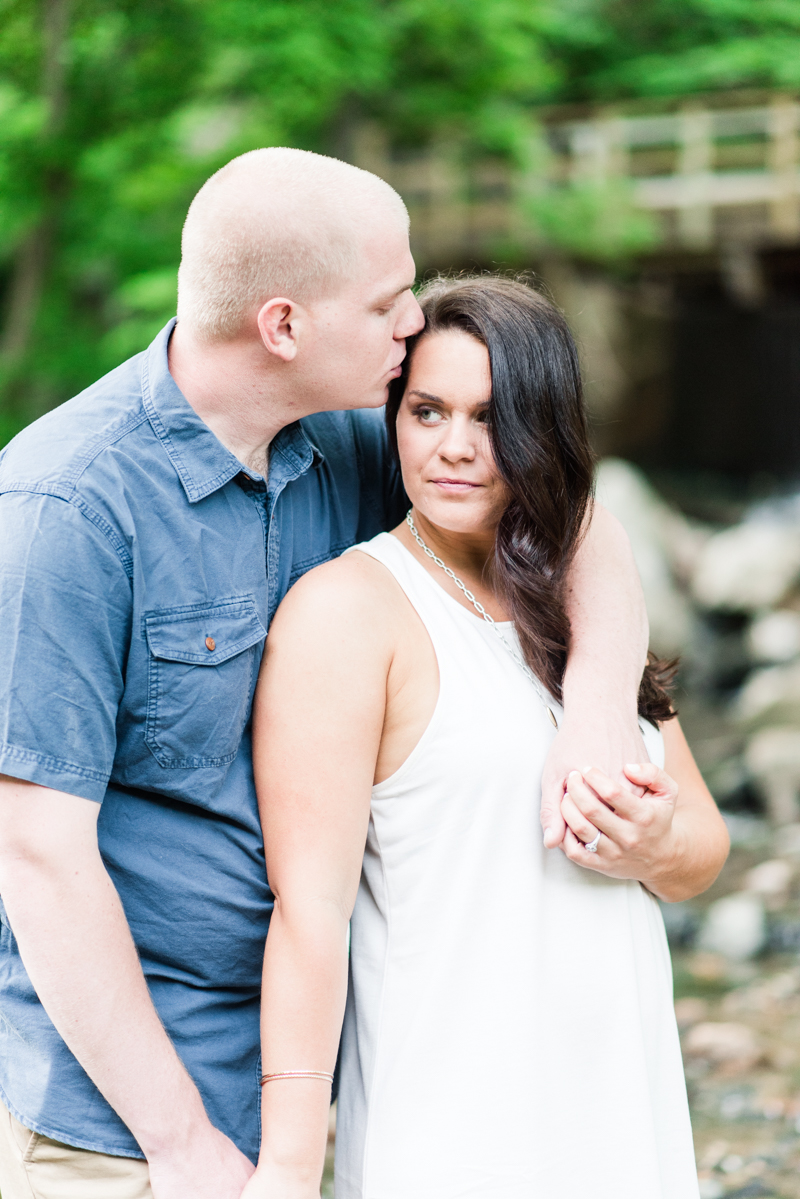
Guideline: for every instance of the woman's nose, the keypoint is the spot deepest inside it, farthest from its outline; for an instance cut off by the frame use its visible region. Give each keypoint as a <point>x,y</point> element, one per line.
<point>457,445</point>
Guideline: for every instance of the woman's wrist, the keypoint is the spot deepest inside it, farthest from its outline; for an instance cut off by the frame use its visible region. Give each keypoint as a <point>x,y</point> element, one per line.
<point>672,876</point>
<point>289,1178</point>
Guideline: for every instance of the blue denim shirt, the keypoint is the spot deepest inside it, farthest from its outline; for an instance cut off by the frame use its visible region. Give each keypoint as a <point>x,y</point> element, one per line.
<point>140,565</point>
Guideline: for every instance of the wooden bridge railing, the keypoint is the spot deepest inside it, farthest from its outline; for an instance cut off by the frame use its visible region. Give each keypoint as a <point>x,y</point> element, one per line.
<point>715,173</point>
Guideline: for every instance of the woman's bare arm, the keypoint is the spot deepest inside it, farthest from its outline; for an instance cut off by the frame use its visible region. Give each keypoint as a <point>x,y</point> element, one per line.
<point>672,838</point>
<point>318,719</point>
<point>607,655</point>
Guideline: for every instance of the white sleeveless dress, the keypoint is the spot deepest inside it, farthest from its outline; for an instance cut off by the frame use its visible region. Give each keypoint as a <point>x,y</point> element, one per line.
<point>509,1030</point>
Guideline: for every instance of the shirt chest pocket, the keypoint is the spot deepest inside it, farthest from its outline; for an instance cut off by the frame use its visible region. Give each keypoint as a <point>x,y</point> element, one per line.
<point>200,679</point>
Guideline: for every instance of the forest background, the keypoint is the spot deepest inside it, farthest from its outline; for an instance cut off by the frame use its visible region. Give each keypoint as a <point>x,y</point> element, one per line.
<point>114,112</point>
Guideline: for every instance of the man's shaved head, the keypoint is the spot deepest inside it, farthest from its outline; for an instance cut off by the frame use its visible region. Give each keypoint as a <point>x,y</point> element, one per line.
<point>275,222</point>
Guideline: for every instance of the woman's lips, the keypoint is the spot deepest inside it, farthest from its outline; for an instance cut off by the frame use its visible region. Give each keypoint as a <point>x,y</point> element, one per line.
<point>456,484</point>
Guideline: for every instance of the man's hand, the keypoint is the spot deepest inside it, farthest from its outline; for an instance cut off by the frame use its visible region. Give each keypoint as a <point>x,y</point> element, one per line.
<point>78,950</point>
<point>639,839</point>
<point>604,739</point>
<point>211,1168</point>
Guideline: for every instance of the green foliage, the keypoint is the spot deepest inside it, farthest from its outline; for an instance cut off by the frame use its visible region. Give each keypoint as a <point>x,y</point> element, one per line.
<point>113,113</point>
<point>453,62</point>
<point>595,220</point>
<point>620,48</point>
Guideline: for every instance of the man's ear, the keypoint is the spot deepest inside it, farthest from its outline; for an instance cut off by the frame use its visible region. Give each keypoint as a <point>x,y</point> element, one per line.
<point>278,322</point>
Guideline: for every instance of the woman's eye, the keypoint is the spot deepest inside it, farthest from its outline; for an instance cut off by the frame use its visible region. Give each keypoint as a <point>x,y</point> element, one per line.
<point>428,416</point>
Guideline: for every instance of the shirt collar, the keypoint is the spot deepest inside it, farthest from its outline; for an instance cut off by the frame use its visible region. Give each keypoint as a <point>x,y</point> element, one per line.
<point>201,461</point>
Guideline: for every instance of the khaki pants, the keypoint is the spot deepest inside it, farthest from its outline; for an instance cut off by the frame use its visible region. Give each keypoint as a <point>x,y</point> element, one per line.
<point>34,1167</point>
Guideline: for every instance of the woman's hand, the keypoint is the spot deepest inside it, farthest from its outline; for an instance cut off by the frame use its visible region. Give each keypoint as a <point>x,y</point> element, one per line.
<point>271,1182</point>
<point>639,838</point>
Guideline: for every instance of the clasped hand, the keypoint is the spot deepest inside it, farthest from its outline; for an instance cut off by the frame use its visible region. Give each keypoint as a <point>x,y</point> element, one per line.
<point>638,838</point>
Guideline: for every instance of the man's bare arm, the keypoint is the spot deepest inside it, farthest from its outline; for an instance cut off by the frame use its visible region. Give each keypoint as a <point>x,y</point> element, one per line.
<point>607,655</point>
<point>77,948</point>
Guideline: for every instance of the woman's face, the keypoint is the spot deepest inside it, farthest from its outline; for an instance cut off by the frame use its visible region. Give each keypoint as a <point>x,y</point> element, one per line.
<point>442,435</point>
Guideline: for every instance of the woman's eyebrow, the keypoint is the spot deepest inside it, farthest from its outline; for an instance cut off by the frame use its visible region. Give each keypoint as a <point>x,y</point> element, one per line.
<point>425,395</point>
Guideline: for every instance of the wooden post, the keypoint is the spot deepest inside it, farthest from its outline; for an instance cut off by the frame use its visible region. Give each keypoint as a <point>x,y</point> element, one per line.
<point>784,162</point>
<point>695,215</point>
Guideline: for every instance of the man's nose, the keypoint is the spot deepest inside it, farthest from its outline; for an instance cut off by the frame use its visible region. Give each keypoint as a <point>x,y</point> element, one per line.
<point>411,318</point>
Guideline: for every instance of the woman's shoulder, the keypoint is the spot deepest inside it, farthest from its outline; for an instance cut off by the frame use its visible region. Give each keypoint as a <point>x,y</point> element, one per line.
<point>353,586</point>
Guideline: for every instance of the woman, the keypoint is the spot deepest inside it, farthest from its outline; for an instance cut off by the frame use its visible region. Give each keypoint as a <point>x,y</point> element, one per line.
<point>509,1031</point>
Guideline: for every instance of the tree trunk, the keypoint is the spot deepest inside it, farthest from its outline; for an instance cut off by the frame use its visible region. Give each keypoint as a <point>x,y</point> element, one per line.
<point>32,261</point>
<point>27,284</point>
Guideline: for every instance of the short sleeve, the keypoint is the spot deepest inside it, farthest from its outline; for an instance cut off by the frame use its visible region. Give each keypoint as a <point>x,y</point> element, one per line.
<point>65,613</point>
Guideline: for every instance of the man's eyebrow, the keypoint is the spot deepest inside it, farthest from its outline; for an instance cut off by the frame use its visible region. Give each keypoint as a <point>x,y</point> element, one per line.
<point>400,291</point>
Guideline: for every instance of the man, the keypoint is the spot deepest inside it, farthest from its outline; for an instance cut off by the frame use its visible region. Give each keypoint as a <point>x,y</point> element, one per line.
<point>148,530</point>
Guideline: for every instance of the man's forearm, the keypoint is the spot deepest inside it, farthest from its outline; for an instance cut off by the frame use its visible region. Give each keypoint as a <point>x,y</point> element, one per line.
<point>605,605</point>
<point>607,654</point>
<point>77,948</point>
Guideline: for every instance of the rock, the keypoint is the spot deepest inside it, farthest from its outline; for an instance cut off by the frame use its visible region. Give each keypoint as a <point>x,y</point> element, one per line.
<point>762,995</point>
<point>734,927</point>
<point>787,840</point>
<point>784,934</point>
<point>707,967</point>
<point>771,880</point>
<point>771,696</point>
<point>750,566</point>
<point>690,1010</point>
<point>713,1154</point>
<point>747,831</point>
<point>775,636</point>
<point>660,539</point>
<point>681,921</point>
<point>773,1107</point>
<point>772,759</point>
<point>726,776</point>
<point>734,1046</point>
<point>752,1190</point>
<point>710,1188</point>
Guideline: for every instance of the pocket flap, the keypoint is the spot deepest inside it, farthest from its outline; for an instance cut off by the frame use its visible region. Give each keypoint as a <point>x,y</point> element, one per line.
<point>204,634</point>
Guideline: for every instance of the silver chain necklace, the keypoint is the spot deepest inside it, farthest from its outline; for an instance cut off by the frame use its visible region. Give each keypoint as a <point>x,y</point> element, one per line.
<point>479,608</point>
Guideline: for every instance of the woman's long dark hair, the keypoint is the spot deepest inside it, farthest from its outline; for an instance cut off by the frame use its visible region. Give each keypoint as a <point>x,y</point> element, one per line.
<point>537,426</point>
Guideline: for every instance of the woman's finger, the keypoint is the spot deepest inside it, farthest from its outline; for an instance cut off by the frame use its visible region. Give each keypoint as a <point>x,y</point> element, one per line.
<point>577,823</point>
<point>575,850</point>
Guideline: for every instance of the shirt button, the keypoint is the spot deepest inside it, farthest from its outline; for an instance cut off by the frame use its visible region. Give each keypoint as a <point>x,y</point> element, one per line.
<point>211,644</point>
